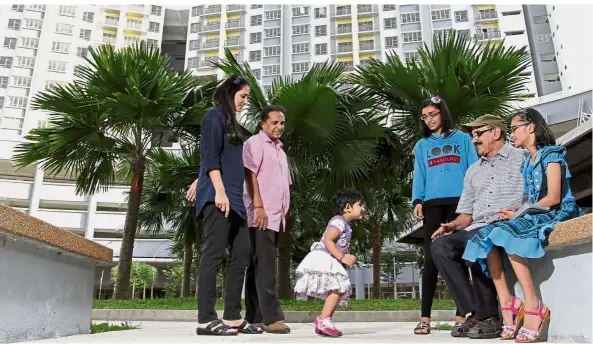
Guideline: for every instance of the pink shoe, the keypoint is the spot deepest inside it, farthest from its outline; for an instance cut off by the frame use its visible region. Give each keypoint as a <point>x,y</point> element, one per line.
<point>325,327</point>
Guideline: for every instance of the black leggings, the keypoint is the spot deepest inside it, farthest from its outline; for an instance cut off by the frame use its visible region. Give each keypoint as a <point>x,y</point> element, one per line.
<point>433,217</point>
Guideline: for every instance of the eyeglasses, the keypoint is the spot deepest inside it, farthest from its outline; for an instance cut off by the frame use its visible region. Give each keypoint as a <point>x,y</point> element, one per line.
<point>477,134</point>
<point>515,127</point>
<point>428,115</point>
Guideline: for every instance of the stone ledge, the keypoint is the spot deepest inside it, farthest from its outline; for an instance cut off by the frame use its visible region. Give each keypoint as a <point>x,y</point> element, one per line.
<point>573,231</point>
<point>290,316</point>
<point>18,224</point>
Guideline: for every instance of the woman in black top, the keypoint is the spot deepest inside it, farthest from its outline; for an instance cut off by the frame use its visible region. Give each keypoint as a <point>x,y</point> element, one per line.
<point>219,203</point>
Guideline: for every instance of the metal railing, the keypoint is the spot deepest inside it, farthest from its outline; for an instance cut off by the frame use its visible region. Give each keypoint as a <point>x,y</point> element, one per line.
<point>235,23</point>
<point>214,26</point>
<point>343,11</point>
<point>487,35</point>
<point>211,44</point>
<point>345,48</point>
<point>213,9</point>
<point>365,8</point>
<point>109,21</point>
<point>231,41</point>
<point>230,8</point>
<point>481,16</point>
<point>344,29</point>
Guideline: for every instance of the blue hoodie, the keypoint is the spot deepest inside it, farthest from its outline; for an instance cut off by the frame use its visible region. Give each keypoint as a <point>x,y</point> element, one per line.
<point>439,167</point>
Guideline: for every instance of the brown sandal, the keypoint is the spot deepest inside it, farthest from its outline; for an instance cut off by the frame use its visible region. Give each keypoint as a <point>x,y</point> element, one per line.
<point>423,328</point>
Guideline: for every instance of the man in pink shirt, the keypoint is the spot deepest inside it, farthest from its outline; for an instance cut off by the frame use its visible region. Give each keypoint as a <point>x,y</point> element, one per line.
<point>267,198</point>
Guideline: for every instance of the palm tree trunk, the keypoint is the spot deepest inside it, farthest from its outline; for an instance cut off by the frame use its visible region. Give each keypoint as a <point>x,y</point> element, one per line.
<point>284,252</point>
<point>127,244</point>
<point>377,264</point>
<point>187,262</point>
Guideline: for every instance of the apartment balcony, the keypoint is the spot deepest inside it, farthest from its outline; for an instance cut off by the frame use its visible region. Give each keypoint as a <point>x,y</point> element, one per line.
<point>39,8</point>
<point>140,9</point>
<point>486,36</point>
<point>211,44</point>
<point>485,17</point>
<point>235,8</point>
<point>110,22</point>
<point>109,220</point>
<point>341,30</point>
<point>209,10</point>
<point>108,40</point>
<point>368,46</point>
<point>68,219</point>
<point>345,48</point>
<point>134,26</point>
<point>60,192</point>
<point>364,9</point>
<point>207,63</point>
<point>235,24</point>
<point>232,41</point>
<point>348,66</point>
<point>214,26</point>
<point>367,28</point>
<point>16,189</point>
<point>343,11</point>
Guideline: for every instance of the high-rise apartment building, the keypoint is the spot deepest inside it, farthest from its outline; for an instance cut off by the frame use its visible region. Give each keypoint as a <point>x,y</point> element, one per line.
<point>288,39</point>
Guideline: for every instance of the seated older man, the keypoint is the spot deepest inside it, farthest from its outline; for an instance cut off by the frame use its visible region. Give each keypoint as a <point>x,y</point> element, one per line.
<point>492,183</point>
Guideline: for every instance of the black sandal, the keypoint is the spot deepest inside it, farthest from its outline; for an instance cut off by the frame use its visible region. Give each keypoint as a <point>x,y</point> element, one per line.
<point>461,329</point>
<point>248,328</point>
<point>421,327</point>
<point>216,328</point>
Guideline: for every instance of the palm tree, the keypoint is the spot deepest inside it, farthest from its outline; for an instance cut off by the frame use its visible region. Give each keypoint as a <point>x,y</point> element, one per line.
<point>103,126</point>
<point>472,79</point>
<point>331,139</point>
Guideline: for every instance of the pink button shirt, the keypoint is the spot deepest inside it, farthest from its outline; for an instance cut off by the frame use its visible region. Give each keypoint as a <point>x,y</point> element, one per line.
<point>267,160</point>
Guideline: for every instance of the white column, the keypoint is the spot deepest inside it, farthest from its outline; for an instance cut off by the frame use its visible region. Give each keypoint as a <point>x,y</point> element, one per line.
<point>89,230</point>
<point>36,190</point>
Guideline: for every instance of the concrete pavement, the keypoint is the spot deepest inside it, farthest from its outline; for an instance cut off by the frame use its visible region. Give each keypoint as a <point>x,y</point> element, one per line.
<point>185,332</point>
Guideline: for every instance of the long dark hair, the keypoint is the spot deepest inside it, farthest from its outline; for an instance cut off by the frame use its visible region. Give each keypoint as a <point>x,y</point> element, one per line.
<point>446,121</point>
<point>543,134</point>
<point>224,98</point>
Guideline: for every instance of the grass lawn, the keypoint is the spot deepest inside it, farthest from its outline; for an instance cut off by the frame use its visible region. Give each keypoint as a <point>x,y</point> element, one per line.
<point>106,327</point>
<point>190,303</point>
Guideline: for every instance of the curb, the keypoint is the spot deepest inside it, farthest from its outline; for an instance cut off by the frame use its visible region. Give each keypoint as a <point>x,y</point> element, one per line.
<point>290,316</point>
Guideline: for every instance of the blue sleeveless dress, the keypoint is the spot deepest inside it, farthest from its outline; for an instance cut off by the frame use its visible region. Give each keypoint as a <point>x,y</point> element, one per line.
<point>527,236</point>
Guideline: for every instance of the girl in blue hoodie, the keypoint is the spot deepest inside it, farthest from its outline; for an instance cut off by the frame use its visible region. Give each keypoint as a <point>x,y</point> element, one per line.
<point>442,157</point>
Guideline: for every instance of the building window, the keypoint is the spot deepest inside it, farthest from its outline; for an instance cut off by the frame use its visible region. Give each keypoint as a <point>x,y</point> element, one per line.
<point>272,51</point>
<point>300,11</point>
<point>60,47</point>
<point>1,102</point>
<point>321,49</point>
<point>344,28</point>
<point>193,44</point>
<point>14,24</point>
<point>343,10</point>
<point>28,42</point>
<point>64,29</point>
<point>256,20</point>
<point>5,61</point>
<point>300,29</point>
<point>69,11</point>
<point>543,37</point>
<point>255,38</point>
<point>194,28</point>
<point>410,37</point>
<point>548,57</point>
<point>34,24</point>
<point>441,14</point>
<point>192,62</point>
<point>152,43</point>
<point>85,34</point>
<point>464,33</point>
<point>273,15</point>
<point>109,38</point>
<point>38,8</point>
<point>154,27</point>
<point>82,52</point>
<point>273,32</point>
<point>365,26</point>
<point>540,19</point>
<point>9,42</point>
<point>194,13</point>
<point>388,7</point>
<point>255,56</point>
<point>18,102</point>
<point>321,12</point>
<point>257,73</point>
<point>551,77</point>
<point>321,30</point>
<point>25,62</point>
<point>130,40</point>
<point>133,24</point>
<point>391,42</point>
<point>300,48</point>
<point>3,81</point>
<point>300,67</point>
<point>21,81</point>
<point>57,66</point>
<point>514,33</point>
<point>50,83</point>
<point>461,17</point>
<point>390,23</point>
<point>442,33</point>
<point>413,55</point>
<point>78,71</point>
<point>253,7</point>
<point>156,10</point>
<point>271,70</point>
<point>511,13</point>
<point>88,17</point>
<point>18,8</point>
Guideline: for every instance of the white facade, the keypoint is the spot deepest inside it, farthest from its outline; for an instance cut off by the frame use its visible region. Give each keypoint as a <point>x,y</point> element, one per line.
<point>570,27</point>
<point>288,39</point>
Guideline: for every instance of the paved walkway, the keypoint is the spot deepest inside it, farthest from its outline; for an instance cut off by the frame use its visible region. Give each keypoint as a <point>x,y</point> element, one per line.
<point>185,332</point>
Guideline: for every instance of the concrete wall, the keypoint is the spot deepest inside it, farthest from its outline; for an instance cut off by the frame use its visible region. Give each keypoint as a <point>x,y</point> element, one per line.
<point>563,282</point>
<point>43,294</point>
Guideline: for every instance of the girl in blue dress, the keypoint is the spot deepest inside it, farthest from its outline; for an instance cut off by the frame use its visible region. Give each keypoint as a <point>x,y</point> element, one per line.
<point>546,180</point>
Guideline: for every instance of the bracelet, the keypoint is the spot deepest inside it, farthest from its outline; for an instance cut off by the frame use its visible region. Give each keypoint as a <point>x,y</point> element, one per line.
<point>341,258</point>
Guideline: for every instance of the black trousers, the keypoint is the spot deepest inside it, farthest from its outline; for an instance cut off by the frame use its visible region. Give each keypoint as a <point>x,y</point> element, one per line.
<point>220,233</point>
<point>479,296</point>
<point>433,217</point>
<point>261,292</point>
